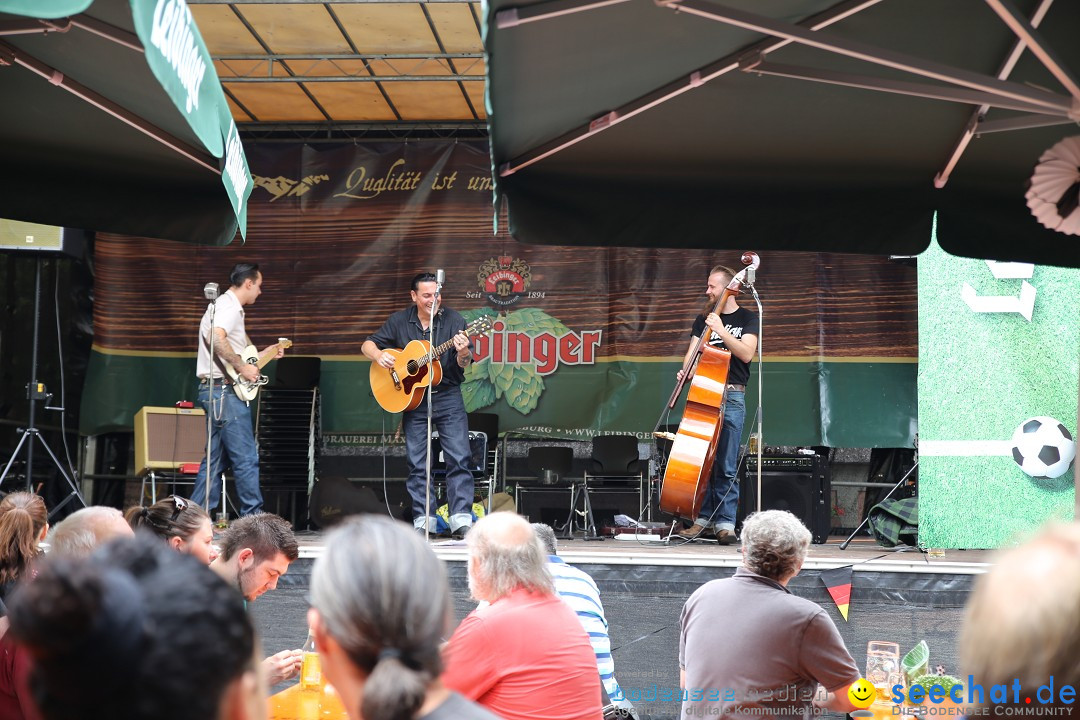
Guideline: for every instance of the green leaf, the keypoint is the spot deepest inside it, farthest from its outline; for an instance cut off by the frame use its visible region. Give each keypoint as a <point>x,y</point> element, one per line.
<point>534,321</point>
<point>477,394</point>
<point>524,391</point>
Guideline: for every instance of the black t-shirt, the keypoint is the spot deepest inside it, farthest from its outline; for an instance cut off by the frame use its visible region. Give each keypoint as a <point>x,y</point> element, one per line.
<point>404,326</point>
<point>738,323</point>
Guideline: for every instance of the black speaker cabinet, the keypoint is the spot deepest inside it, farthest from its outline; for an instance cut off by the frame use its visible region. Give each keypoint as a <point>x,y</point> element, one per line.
<point>796,483</point>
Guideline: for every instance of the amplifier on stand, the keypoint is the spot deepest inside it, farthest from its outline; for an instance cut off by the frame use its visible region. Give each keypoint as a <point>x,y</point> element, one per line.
<point>796,483</point>
<point>168,437</point>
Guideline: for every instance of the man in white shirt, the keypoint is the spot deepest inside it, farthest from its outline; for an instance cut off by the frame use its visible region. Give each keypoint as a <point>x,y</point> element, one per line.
<point>232,430</point>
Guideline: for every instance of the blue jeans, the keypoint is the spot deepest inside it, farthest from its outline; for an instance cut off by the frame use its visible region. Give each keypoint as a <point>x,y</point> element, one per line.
<point>449,418</point>
<point>722,495</point>
<point>232,444</point>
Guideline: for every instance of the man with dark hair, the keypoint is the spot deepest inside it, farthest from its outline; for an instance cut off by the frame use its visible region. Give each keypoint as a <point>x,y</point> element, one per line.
<point>256,551</point>
<point>786,645</point>
<point>734,329</point>
<point>137,630</point>
<point>447,406</point>
<point>232,430</point>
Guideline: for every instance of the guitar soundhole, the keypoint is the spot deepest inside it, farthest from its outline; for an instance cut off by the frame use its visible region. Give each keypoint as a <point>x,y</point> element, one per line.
<point>411,367</point>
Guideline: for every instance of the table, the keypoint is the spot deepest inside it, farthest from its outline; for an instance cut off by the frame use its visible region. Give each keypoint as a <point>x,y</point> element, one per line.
<point>292,703</point>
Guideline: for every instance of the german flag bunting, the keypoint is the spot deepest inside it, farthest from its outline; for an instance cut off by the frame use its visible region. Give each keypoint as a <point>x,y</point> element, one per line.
<point>838,583</point>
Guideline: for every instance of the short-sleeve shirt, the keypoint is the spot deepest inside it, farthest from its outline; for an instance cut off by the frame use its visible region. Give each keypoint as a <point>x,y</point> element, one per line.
<point>753,650</point>
<point>404,326</point>
<point>738,323</point>
<point>230,318</point>
<point>525,656</point>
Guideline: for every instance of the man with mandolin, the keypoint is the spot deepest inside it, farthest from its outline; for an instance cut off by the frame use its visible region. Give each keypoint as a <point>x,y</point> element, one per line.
<point>448,407</point>
<point>231,416</point>
<point>734,329</point>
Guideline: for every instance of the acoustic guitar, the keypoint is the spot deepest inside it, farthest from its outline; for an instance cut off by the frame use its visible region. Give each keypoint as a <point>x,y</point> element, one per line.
<point>417,366</point>
<point>246,390</point>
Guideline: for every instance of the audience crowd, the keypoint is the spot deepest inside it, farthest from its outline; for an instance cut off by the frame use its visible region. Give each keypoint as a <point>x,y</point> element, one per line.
<point>145,615</point>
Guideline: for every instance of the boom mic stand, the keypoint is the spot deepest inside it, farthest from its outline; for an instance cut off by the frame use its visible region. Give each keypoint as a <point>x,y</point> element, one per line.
<point>843,545</point>
<point>35,392</point>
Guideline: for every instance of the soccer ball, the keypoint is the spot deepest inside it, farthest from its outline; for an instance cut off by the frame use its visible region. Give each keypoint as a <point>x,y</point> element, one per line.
<point>1043,447</point>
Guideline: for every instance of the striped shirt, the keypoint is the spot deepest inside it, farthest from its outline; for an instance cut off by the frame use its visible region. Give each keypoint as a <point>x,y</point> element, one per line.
<point>578,590</point>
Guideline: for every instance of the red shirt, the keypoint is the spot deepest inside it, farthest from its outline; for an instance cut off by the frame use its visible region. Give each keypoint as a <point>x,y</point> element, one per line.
<point>15,702</point>
<point>525,656</point>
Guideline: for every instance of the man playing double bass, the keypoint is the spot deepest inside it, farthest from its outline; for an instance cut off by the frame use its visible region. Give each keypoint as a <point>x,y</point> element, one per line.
<point>735,329</point>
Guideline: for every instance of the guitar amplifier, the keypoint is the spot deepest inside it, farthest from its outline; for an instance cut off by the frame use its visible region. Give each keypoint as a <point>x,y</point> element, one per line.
<point>477,454</point>
<point>796,483</point>
<point>168,437</point>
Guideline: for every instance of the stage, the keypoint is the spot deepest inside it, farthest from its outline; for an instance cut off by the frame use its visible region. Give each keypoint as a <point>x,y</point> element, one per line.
<point>901,596</point>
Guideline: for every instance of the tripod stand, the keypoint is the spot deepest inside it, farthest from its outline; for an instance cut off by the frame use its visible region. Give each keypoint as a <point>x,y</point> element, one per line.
<point>37,392</point>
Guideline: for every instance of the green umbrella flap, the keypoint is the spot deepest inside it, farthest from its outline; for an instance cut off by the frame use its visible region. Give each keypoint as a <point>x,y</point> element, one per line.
<point>180,61</point>
<point>237,177</point>
<point>44,9</point>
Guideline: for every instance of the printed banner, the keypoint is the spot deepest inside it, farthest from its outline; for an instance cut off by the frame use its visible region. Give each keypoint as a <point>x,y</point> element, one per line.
<point>584,340</point>
<point>998,374</point>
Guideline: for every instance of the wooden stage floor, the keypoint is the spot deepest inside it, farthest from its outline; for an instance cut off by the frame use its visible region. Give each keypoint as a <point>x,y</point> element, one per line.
<point>863,552</point>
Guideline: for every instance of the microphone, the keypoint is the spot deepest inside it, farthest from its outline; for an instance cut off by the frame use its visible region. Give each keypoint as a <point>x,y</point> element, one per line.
<point>210,291</point>
<point>440,277</point>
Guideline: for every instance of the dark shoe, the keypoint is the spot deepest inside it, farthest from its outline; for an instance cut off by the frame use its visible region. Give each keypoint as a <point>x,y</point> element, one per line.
<point>696,531</point>
<point>461,532</point>
<point>725,537</point>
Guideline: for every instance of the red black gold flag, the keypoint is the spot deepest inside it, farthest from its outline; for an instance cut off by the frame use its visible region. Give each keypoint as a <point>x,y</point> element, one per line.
<point>838,583</point>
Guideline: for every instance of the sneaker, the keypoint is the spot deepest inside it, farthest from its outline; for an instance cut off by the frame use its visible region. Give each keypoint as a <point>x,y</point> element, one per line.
<point>725,537</point>
<point>461,532</point>
<point>696,531</point>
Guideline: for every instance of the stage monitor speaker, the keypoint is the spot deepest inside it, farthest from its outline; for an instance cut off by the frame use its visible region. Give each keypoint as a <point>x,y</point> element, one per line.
<point>335,498</point>
<point>168,437</point>
<point>16,235</point>
<point>796,483</point>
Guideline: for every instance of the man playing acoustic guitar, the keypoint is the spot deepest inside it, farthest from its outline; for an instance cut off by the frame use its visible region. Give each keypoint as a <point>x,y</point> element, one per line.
<point>448,407</point>
<point>231,415</point>
<point>735,330</point>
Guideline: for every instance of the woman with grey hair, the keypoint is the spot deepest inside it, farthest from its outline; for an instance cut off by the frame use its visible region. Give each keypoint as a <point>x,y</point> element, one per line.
<point>774,544</point>
<point>380,606</point>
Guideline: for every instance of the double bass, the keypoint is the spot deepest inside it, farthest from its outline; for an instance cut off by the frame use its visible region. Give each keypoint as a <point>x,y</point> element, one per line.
<point>693,447</point>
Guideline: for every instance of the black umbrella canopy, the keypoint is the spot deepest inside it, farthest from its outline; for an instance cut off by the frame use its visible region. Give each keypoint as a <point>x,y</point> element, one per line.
<point>751,123</point>
<point>69,162</point>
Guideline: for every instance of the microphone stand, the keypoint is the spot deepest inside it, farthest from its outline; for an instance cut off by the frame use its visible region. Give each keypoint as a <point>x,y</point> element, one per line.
<point>761,383</point>
<point>431,371</point>
<point>212,308</point>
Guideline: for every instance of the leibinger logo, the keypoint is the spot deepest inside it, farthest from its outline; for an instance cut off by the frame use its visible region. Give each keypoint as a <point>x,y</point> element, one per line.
<point>1000,700</point>
<point>172,33</point>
